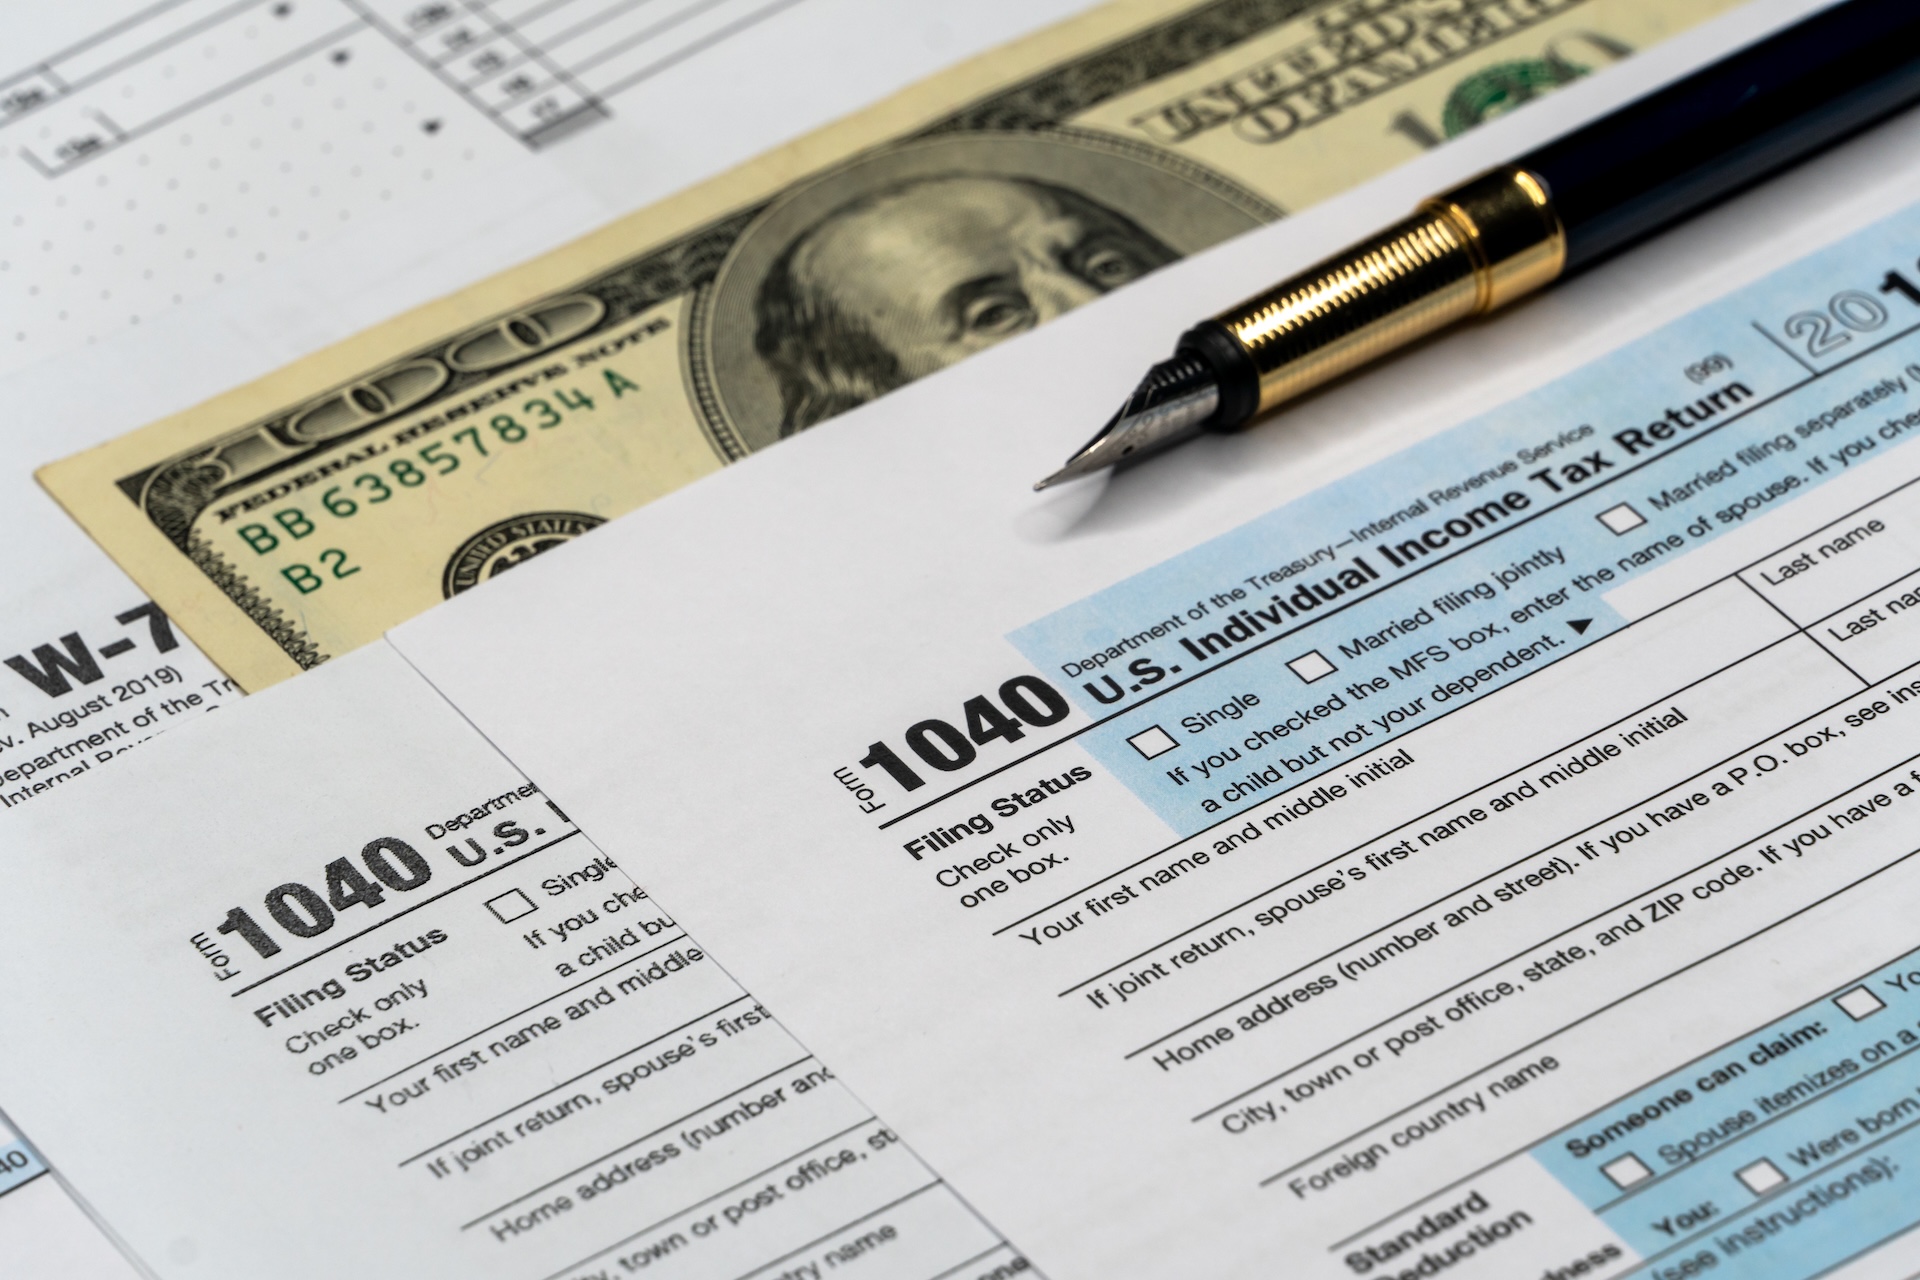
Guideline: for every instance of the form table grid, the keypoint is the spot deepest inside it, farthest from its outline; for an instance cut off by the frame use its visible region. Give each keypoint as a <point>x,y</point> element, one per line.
<point>539,69</point>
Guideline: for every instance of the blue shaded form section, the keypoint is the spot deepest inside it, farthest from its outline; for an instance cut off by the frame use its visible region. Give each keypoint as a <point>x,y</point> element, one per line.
<point>1293,649</point>
<point>1780,1155</point>
<point>19,1165</point>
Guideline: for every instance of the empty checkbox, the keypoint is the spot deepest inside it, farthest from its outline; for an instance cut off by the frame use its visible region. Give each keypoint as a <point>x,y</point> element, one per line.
<point>1311,666</point>
<point>510,906</point>
<point>1622,519</point>
<point>1859,1003</point>
<point>1760,1177</point>
<point>1626,1171</point>
<point>1152,742</point>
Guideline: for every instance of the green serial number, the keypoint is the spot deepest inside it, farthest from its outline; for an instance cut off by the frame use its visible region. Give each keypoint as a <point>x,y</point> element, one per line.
<point>381,484</point>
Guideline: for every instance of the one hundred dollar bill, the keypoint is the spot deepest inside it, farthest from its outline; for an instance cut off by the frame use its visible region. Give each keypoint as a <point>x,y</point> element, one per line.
<point>301,516</point>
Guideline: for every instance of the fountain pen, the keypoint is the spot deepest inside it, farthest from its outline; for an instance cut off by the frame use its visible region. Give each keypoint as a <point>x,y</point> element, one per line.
<point>1527,224</point>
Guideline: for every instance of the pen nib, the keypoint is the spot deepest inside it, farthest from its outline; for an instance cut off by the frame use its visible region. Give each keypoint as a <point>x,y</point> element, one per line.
<point>1171,404</point>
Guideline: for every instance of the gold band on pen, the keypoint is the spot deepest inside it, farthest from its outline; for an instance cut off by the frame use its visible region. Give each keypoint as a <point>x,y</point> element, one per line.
<point>1464,253</point>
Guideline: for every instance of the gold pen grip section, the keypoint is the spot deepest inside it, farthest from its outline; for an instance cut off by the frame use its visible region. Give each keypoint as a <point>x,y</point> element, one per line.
<point>1469,251</point>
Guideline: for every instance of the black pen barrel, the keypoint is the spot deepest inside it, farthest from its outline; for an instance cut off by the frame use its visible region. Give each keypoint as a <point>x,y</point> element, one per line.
<point>1752,114</point>
<point>1520,226</point>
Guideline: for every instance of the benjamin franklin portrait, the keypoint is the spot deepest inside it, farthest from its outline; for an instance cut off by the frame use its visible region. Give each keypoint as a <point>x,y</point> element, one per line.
<point>907,261</point>
<point>896,285</point>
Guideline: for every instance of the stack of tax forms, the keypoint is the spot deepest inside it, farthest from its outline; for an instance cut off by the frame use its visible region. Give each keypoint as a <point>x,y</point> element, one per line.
<point>1466,831</point>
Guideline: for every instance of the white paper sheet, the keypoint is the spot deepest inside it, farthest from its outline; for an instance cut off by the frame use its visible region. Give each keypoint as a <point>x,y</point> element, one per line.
<point>388,1000</point>
<point>752,718</point>
<point>43,1231</point>
<point>155,153</point>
